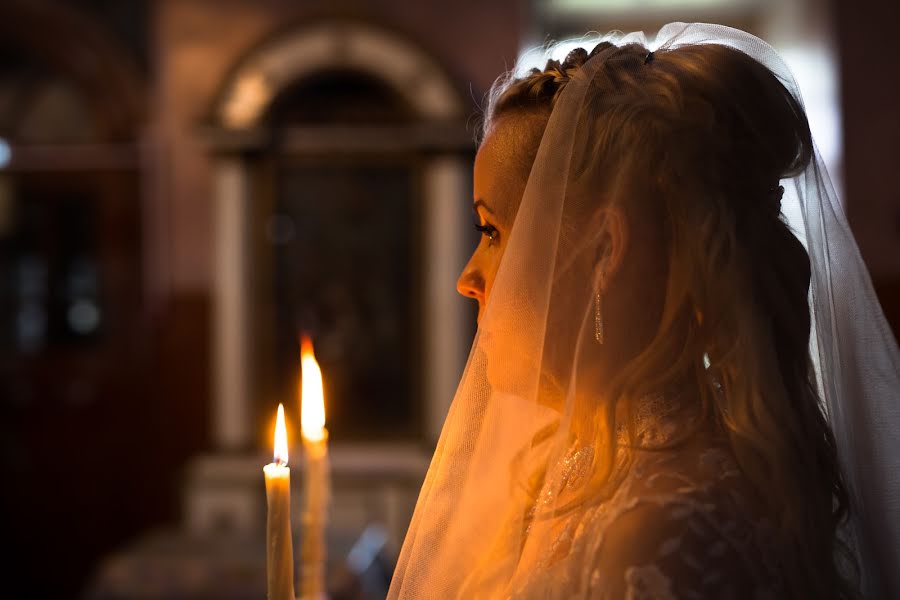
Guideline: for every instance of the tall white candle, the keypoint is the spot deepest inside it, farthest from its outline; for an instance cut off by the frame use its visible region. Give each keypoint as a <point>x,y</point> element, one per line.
<point>279,546</point>
<point>316,477</point>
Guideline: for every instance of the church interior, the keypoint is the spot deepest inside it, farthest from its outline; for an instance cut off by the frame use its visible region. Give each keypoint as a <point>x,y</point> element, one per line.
<point>187,186</point>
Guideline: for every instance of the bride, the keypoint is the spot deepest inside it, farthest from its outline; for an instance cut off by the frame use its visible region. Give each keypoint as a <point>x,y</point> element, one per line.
<point>682,385</point>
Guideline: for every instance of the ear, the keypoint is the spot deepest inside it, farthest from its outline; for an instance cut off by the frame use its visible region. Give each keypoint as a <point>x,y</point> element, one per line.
<point>611,242</point>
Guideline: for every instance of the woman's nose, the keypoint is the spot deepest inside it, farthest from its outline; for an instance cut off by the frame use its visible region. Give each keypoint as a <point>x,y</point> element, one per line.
<point>471,284</point>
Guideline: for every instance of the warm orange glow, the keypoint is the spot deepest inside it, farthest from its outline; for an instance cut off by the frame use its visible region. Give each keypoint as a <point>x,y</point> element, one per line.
<point>312,399</point>
<point>281,445</point>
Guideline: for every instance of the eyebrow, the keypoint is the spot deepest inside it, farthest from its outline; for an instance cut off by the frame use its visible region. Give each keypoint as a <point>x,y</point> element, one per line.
<point>480,202</point>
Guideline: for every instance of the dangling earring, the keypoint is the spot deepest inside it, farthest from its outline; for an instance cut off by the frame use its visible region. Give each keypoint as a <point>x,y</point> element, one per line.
<point>598,311</point>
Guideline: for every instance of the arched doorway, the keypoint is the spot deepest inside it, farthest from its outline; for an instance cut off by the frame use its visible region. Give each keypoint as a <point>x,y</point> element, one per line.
<point>342,164</point>
<point>362,133</point>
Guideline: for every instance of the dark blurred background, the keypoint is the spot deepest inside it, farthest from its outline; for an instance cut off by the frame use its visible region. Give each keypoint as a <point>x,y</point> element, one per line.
<point>187,184</point>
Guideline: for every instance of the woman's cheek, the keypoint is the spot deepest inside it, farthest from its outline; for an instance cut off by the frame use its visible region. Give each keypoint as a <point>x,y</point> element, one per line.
<point>491,271</point>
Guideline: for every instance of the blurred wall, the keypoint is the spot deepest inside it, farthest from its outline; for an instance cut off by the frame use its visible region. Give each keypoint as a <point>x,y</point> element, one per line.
<point>870,96</point>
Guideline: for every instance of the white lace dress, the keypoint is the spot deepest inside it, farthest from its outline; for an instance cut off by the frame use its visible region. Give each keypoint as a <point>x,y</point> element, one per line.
<point>684,523</point>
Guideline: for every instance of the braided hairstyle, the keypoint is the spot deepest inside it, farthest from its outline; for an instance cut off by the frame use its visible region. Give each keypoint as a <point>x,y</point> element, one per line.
<point>716,131</point>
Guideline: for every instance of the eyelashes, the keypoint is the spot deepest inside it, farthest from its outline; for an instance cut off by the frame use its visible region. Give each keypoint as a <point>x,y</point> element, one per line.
<point>487,230</point>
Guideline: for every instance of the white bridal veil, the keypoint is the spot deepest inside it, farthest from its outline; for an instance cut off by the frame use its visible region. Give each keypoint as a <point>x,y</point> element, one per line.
<point>499,438</point>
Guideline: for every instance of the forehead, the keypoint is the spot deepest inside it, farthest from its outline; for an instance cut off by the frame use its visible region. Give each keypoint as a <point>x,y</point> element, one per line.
<point>499,175</point>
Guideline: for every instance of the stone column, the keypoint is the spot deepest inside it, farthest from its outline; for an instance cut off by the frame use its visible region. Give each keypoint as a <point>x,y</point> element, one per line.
<point>446,323</point>
<point>231,425</point>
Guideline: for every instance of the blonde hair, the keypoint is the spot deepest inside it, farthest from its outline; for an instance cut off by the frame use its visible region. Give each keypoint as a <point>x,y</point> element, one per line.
<point>717,131</point>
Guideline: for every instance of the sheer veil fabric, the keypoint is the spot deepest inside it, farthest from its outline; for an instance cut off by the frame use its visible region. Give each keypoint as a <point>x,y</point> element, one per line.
<point>497,503</point>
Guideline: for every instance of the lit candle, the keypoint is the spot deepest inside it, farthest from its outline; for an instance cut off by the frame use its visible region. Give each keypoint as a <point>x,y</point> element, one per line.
<point>316,476</point>
<point>279,550</point>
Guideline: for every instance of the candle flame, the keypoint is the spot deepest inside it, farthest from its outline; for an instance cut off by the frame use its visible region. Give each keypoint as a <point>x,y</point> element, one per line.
<point>312,399</point>
<point>281,445</point>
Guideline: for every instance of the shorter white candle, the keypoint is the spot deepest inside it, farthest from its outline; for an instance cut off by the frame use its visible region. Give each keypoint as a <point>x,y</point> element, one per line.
<point>279,547</point>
